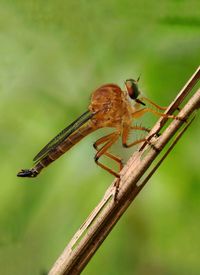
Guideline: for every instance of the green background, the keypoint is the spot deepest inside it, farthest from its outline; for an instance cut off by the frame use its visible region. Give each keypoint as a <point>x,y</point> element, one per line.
<point>53,54</point>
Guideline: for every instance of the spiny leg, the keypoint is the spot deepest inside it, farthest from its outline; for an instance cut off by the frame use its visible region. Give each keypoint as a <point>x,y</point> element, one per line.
<point>141,140</point>
<point>117,182</point>
<point>125,133</point>
<point>140,128</point>
<point>106,138</point>
<point>143,129</point>
<point>153,103</point>
<point>125,137</point>
<point>109,140</point>
<point>156,105</point>
<point>141,112</point>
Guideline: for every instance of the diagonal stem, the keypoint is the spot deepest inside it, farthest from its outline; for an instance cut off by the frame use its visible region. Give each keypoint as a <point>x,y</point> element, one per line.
<point>103,218</point>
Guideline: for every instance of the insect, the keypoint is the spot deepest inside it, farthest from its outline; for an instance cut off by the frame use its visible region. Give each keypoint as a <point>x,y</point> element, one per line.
<point>110,106</point>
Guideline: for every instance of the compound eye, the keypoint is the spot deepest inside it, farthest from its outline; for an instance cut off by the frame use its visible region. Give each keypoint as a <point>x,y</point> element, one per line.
<point>132,88</point>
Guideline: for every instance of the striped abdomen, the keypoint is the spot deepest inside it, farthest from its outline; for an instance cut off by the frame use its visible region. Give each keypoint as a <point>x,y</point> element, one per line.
<point>59,150</point>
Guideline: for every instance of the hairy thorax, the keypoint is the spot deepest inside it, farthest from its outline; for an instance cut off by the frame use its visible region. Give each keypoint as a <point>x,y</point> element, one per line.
<point>111,107</point>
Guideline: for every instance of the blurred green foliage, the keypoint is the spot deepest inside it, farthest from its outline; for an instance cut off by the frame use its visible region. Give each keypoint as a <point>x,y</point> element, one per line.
<point>53,55</point>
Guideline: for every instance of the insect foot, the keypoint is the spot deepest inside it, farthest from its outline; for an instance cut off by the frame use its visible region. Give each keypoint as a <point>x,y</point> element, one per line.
<point>116,185</point>
<point>184,119</point>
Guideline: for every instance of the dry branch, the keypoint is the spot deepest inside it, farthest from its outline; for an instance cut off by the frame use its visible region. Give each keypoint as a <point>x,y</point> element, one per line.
<point>133,178</point>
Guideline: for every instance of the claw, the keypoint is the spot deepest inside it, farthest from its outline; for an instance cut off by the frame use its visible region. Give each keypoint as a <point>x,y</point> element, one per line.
<point>181,119</point>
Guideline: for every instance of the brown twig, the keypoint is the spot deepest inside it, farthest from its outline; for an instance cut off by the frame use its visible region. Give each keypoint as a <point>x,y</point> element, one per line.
<point>133,178</point>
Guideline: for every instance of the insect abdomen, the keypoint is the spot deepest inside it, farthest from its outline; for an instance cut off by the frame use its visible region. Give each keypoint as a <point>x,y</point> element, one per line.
<point>57,152</point>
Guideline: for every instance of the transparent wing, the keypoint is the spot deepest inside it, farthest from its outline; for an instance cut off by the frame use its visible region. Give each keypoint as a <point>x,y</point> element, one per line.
<point>64,134</point>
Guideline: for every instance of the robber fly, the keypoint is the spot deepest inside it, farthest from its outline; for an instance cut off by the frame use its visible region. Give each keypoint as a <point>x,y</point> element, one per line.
<point>110,106</point>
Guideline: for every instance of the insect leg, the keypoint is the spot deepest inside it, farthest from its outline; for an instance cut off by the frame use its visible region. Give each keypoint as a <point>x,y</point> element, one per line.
<point>141,112</point>
<point>125,137</point>
<point>153,103</point>
<point>156,105</point>
<point>109,140</point>
<point>103,140</point>
<point>140,128</point>
<point>115,158</point>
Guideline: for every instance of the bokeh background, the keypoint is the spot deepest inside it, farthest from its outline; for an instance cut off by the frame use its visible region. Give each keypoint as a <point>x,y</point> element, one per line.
<point>53,54</point>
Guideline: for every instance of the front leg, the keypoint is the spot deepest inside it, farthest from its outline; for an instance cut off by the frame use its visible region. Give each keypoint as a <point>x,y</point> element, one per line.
<point>153,103</point>
<point>143,111</point>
